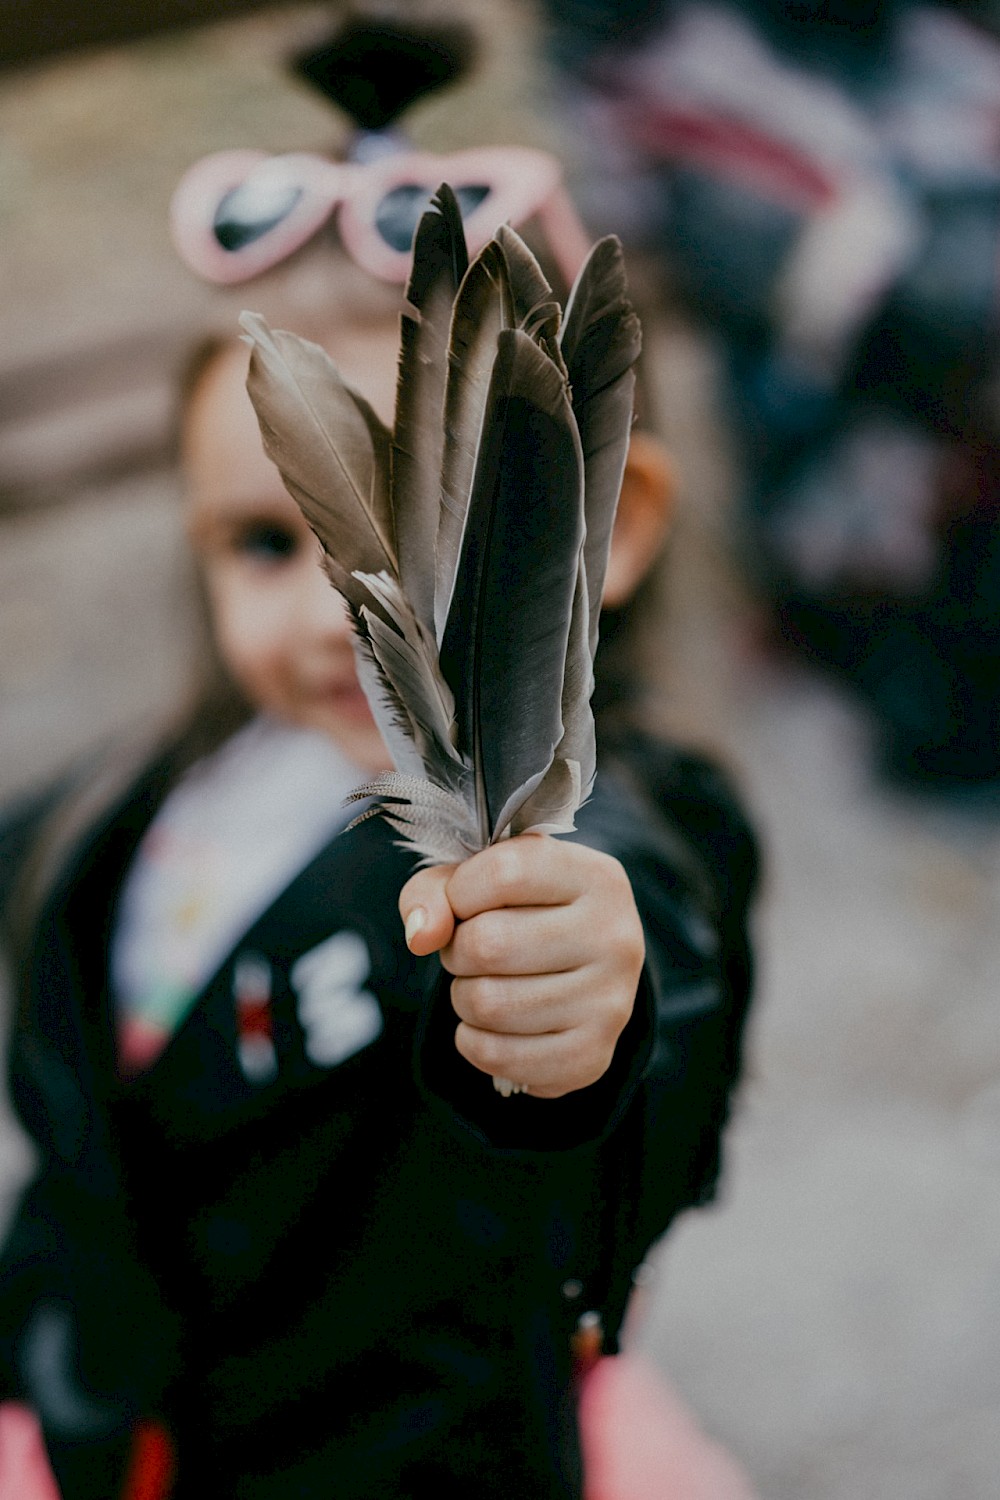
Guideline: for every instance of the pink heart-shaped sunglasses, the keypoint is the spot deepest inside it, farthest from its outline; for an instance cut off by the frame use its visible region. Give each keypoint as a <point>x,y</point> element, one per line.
<point>235,214</point>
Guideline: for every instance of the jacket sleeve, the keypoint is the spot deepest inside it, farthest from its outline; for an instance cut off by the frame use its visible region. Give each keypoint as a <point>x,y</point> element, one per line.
<point>682,1040</point>
<point>666,1157</point>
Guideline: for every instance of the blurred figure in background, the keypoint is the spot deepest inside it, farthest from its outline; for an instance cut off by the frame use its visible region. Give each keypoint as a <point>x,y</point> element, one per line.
<point>822,184</point>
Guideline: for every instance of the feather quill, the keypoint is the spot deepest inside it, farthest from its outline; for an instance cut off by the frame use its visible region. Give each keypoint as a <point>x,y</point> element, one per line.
<point>472,546</point>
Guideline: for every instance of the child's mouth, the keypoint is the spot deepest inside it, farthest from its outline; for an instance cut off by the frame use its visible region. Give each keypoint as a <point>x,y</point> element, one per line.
<point>348,698</point>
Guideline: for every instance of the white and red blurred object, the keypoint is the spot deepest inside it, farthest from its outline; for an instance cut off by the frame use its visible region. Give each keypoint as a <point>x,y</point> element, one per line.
<point>639,1441</point>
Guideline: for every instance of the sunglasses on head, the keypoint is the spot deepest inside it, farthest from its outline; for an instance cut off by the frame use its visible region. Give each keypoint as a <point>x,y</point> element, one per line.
<point>236,214</point>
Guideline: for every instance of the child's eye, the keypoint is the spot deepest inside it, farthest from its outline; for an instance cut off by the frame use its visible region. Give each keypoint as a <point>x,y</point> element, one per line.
<point>267,542</point>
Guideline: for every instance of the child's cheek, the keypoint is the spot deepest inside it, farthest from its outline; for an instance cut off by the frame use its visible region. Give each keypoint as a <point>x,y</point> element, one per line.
<point>250,634</point>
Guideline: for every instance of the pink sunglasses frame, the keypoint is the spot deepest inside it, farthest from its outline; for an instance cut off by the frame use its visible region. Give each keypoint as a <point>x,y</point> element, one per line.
<point>524,184</point>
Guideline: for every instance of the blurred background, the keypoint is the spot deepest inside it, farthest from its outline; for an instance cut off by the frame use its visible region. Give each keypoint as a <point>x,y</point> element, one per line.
<point>813,191</point>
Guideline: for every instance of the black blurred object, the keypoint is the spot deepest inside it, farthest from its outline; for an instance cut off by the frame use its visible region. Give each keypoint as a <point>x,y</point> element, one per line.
<point>812,20</point>
<point>821,179</point>
<point>582,29</point>
<point>375,70</point>
<point>608,20</point>
<point>31,31</point>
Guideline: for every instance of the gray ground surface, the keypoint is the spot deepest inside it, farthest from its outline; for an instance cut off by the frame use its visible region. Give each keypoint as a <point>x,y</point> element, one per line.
<point>833,1319</point>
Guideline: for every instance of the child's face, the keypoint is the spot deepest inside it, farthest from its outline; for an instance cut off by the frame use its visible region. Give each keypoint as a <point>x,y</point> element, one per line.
<point>283,631</point>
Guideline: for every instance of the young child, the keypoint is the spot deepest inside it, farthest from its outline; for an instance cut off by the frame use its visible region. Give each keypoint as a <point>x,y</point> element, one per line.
<point>280,1208</point>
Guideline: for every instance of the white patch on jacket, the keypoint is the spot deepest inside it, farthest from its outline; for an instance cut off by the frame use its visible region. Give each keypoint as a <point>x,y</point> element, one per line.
<point>338,1016</point>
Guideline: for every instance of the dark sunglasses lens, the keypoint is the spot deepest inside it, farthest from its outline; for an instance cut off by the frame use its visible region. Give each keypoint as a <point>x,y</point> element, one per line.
<point>249,211</point>
<point>470,198</point>
<point>399,212</point>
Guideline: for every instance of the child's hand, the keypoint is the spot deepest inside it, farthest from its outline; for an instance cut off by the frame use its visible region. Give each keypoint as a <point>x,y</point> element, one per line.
<point>546,946</point>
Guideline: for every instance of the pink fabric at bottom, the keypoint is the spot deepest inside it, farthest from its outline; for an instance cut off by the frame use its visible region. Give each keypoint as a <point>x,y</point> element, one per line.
<point>24,1466</point>
<point>640,1442</point>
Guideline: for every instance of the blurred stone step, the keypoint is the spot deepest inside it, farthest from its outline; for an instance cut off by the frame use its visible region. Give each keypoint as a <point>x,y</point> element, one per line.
<point>85,416</point>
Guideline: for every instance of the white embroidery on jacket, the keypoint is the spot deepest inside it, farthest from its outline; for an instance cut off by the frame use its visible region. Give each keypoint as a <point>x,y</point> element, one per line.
<point>336,1014</point>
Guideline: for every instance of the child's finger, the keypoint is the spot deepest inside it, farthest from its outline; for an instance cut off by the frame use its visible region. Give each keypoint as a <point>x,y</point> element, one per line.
<point>526,1005</point>
<point>550,1065</point>
<point>525,871</point>
<point>428,919</point>
<point>523,940</point>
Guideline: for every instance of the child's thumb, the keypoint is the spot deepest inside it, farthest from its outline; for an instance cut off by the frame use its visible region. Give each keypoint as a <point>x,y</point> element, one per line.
<point>428,919</point>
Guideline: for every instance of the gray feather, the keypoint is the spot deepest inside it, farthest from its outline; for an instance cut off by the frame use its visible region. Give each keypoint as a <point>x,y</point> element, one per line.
<point>439,263</point>
<point>552,806</point>
<point>432,820</point>
<point>482,309</point>
<point>569,780</point>
<point>601,340</point>
<point>475,586</point>
<point>533,308</point>
<point>407,657</point>
<point>504,645</point>
<point>331,448</point>
<point>389,712</point>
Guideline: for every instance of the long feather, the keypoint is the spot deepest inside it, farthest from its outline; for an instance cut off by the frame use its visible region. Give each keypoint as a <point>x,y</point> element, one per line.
<point>482,309</point>
<point>601,339</point>
<point>504,648</point>
<point>503,288</point>
<point>331,448</point>
<point>439,263</point>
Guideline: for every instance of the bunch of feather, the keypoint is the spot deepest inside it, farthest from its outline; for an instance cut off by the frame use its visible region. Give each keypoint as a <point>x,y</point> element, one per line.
<point>470,544</point>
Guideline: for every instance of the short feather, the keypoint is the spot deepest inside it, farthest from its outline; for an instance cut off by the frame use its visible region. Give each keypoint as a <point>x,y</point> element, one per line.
<point>533,306</point>
<point>329,446</point>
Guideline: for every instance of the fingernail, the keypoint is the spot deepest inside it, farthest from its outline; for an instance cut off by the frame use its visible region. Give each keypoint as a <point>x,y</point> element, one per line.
<point>415,922</point>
